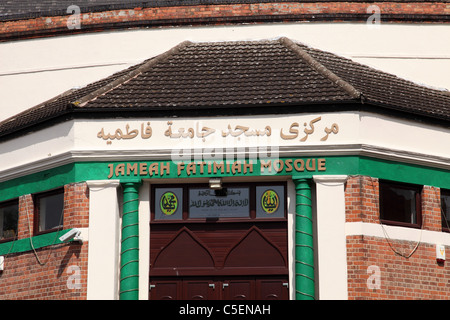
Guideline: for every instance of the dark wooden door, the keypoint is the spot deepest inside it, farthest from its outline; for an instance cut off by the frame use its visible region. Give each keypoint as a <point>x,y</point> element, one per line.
<point>242,289</point>
<point>165,290</point>
<point>272,289</point>
<point>200,289</point>
<point>218,288</point>
<point>236,257</point>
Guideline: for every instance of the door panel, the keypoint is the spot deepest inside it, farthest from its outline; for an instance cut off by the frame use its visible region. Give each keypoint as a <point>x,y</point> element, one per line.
<point>218,288</point>
<point>243,289</point>
<point>272,289</point>
<point>199,290</point>
<point>165,290</point>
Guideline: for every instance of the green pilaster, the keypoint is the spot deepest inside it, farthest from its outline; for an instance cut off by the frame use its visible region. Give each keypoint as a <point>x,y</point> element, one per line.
<point>129,254</point>
<point>304,247</point>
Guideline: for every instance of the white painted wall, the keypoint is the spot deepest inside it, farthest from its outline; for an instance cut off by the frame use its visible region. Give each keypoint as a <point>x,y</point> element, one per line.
<point>104,240</point>
<point>291,208</point>
<point>379,131</point>
<point>144,243</point>
<point>331,249</point>
<point>43,148</point>
<point>32,71</point>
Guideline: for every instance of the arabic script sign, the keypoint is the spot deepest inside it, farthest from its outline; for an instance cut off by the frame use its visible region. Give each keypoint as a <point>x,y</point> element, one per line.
<point>168,203</point>
<point>205,203</point>
<point>294,131</point>
<point>270,201</point>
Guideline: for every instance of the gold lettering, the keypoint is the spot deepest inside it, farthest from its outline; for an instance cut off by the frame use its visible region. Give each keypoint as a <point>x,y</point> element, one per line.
<point>321,166</point>
<point>164,167</point>
<point>302,165</point>
<point>201,165</point>
<point>153,169</point>
<point>191,168</point>
<point>143,169</point>
<point>310,167</point>
<point>180,166</point>
<point>291,130</point>
<point>265,164</point>
<point>278,165</point>
<point>120,169</point>
<point>111,170</point>
<point>239,167</point>
<point>218,166</point>
<point>132,167</point>
<point>248,166</point>
<point>236,167</point>
<point>288,164</point>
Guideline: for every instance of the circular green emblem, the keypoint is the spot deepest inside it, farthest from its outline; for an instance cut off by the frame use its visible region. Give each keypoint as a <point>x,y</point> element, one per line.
<point>270,201</point>
<point>168,203</point>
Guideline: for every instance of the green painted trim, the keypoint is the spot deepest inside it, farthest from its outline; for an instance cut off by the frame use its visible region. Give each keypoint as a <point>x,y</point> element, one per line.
<point>37,182</point>
<point>345,165</point>
<point>404,172</point>
<point>40,241</point>
<point>129,256</point>
<point>304,244</point>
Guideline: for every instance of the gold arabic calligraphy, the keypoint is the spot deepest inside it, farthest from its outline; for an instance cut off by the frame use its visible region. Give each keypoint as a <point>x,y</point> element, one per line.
<point>308,131</point>
<point>118,134</point>
<point>238,130</point>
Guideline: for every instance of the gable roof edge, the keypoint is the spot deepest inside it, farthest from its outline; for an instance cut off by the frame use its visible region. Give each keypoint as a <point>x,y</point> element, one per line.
<point>127,77</point>
<point>320,68</point>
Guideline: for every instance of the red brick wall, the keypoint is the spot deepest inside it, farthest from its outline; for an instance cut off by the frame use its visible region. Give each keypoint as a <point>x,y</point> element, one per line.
<point>334,11</point>
<point>431,206</point>
<point>54,272</point>
<point>361,199</point>
<point>384,261</point>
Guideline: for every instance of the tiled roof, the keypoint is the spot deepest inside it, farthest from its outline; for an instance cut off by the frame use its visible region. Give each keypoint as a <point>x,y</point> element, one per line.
<point>387,90</point>
<point>25,9</point>
<point>34,8</point>
<point>219,74</point>
<point>223,75</point>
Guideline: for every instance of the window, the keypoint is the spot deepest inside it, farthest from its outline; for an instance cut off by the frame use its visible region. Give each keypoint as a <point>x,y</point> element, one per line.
<point>445,209</point>
<point>9,216</point>
<point>400,204</point>
<point>49,210</point>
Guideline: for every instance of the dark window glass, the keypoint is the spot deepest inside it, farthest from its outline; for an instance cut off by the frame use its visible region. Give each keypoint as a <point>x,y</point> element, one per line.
<point>9,216</point>
<point>445,209</point>
<point>50,208</point>
<point>400,203</point>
